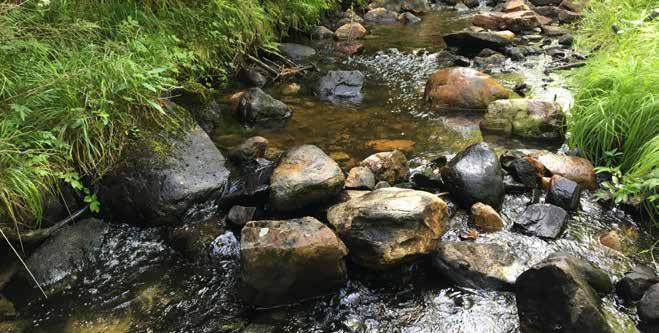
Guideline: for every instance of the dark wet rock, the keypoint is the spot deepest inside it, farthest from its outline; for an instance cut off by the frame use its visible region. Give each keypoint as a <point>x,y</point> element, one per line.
<point>464,88</point>
<point>449,59</point>
<point>473,42</point>
<point>297,52</point>
<point>558,295</point>
<point>69,251</point>
<point>635,283</point>
<point>381,184</point>
<point>249,150</point>
<point>478,265</point>
<point>486,218</point>
<point>494,60</point>
<point>415,6</point>
<point>408,18</point>
<point>388,166</point>
<point>558,13</point>
<point>575,168</point>
<point>253,77</point>
<point>488,53</point>
<point>249,184</point>
<point>542,220</point>
<point>157,185</point>
<point>557,52</point>
<point>389,226</point>
<point>526,118</point>
<point>564,193</point>
<point>306,176</point>
<point>194,240</point>
<point>381,16</point>
<point>648,307</point>
<point>284,261</point>
<point>512,186</point>
<point>207,117</point>
<point>474,175</point>
<point>350,48</point>
<point>360,178</point>
<point>321,32</point>
<point>258,109</point>
<point>514,21</point>
<point>238,216</point>
<point>546,2</point>
<point>524,172</point>
<point>566,40</point>
<point>553,30</point>
<point>427,177</point>
<point>350,31</point>
<point>515,53</point>
<point>338,86</point>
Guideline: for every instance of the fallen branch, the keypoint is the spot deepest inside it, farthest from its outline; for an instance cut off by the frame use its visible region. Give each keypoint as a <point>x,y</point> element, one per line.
<point>262,64</point>
<point>562,67</point>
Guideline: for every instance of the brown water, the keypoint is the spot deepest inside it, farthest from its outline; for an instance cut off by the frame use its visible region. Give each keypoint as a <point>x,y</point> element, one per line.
<point>139,284</point>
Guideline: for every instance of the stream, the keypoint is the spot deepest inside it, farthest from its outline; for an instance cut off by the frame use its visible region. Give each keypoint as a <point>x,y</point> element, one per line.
<point>139,283</point>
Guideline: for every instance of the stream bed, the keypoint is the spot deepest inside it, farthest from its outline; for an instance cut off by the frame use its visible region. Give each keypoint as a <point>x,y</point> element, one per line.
<point>139,283</point>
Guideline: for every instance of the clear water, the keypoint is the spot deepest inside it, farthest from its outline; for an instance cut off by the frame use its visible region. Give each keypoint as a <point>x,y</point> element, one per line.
<point>139,284</point>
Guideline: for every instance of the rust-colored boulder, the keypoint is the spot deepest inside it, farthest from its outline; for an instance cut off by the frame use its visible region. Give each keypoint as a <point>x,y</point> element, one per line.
<point>284,261</point>
<point>522,20</point>
<point>350,31</point>
<point>463,88</point>
<point>486,218</point>
<point>514,6</point>
<point>575,168</point>
<point>388,166</point>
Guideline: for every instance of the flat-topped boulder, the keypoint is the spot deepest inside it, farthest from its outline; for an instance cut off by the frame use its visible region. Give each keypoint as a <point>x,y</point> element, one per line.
<point>478,265</point>
<point>381,15</point>
<point>471,42</point>
<point>297,52</point>
<point>306,176</point>
<point>258,109</point>
<point>290,260</point>
<point>390,226</point>
<point>527,118</point>
<point>575,168</point>
<point>340,86</point>
<point>352,30</point>
<point>463,89</point>
<point>523,20</point>
<point>542,220</point>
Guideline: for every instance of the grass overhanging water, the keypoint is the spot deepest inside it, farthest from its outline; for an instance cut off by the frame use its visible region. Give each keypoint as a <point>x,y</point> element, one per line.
<point>615,121</point>
<point>79,78</point>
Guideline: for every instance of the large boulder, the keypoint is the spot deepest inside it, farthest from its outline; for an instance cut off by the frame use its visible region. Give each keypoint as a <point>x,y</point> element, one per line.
<point>388,166</point>
<point>297,52</point>
<point>575,168</point>
<point>478,265</point>
<point>474,175</point>
<point>67,252</point>
<point>338,86</point>
<point>542,220</point>
<point>306,176</point>
<point>471,42</point>
<point>380,15</point>
<point>635,283</point>
<point>514,21</point>
<point>463,88</point>
<point>648,307</point>
<point>158,184</point>
<point>350,31</point>
<point>534,119</point>
<point>284,261</point>
<point>258,109</point>
<point>390,226</point>
<point>560,295</point>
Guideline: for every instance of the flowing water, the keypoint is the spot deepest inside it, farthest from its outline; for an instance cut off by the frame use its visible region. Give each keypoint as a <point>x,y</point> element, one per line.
<point>138,283</point>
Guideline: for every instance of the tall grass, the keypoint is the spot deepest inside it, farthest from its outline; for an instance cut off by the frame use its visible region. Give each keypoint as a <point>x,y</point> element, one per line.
<point>79,77</point>
<point>615,121</point>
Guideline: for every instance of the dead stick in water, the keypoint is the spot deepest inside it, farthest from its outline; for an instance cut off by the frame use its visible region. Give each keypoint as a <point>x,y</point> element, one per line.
<point>289,62</point>
<point>260,63</point>
<point>568,66</point>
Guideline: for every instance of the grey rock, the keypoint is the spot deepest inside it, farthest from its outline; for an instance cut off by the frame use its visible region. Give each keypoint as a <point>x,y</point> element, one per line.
<point>635,283</point>
<point>337,86</point>
<point>566,40</point>
<point>238,216</point>
<point>408,18</point>
<point>249,150</point>
<point>542,220</point>
<point>258,109</point>
<point>321,32</point>
<point>564,193</point>
<point>648,307</point>
<point>478,265</point>
<point>297,52</point>
<point>381,16</point>
<point>360,178</point>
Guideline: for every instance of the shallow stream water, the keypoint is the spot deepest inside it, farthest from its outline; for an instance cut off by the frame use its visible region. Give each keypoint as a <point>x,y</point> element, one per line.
<point>139,284</point>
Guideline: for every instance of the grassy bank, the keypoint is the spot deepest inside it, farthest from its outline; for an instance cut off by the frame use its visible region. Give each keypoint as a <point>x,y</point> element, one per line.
<point>615,122</point>
<point>80,77</point>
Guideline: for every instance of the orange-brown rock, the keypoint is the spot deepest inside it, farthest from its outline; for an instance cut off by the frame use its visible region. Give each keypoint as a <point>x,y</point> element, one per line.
<point>388,145</point>
<point>611,240</point>
<point>514,21</point>
<point>514,6</point>
<point>350,47</point>
<point>463,88</point>
<point>486,218</point>
<point>234,101</point>
<point>575,168</point>
<point>350,31</point>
